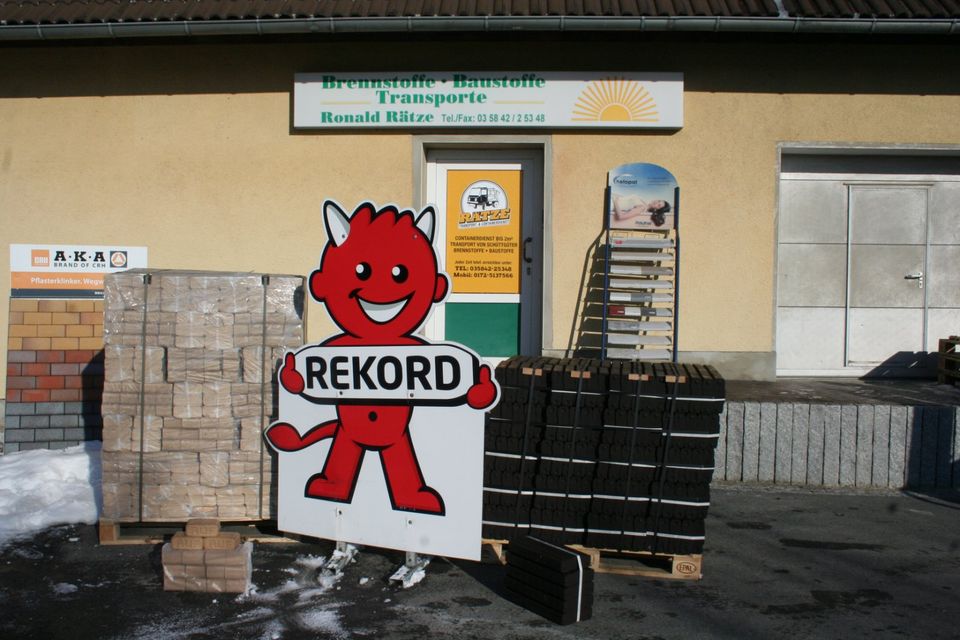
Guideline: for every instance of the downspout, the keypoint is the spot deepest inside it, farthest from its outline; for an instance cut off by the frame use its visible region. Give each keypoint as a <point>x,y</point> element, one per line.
<point>467,24</point>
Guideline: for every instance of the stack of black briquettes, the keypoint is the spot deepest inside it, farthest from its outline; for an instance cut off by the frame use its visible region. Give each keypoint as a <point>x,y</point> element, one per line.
<point>552,581</point>
<point>606,454</point>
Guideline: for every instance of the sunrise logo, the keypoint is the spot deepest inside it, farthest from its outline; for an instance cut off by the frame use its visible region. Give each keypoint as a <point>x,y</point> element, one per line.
<point>615,100</point>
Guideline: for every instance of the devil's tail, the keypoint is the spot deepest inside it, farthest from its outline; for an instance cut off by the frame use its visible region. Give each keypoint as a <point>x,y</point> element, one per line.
<point>284,437</point>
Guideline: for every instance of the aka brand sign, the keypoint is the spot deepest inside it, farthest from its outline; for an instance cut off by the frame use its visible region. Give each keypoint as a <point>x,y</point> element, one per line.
<point>80,258</point>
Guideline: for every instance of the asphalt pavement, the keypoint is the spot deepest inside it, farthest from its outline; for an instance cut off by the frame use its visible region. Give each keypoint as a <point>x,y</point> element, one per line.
<point>777,564</point>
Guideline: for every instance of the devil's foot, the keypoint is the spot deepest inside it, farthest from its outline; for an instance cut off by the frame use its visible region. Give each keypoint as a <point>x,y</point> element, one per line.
<point>324,489</point>
<point>424,500</point>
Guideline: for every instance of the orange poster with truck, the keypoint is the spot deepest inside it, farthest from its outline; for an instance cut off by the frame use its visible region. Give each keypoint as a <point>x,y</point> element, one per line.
<point>483,230</point>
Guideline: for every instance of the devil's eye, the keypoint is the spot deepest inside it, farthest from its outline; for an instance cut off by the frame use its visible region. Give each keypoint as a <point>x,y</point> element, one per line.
<point>399,273</point>
<point>363,271</point>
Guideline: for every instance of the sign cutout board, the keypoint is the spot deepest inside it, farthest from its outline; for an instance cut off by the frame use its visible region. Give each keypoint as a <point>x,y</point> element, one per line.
<point>380,433</point>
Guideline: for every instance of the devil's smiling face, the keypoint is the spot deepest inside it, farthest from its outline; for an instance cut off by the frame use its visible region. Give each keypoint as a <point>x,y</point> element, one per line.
<point>378,274</point>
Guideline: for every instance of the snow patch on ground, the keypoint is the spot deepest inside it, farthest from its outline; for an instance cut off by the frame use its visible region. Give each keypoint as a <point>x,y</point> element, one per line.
<point>311,562</point>
<point>44,488</point>
<point>255,595</point>
<point>41,488</point>
<point>326,620</point>
<point>259,612</point>
<point>174,627</point>
<point>414,578</point>
<point>65,588</point>
<point>272,631</point>
<point>329,580</point>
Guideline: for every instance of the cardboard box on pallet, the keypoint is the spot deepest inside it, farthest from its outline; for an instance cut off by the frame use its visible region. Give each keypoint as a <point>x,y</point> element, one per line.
<point>190,369</point>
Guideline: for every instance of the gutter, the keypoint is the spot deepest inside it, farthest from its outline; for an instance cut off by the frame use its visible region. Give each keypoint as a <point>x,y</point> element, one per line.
<point>470,24</point>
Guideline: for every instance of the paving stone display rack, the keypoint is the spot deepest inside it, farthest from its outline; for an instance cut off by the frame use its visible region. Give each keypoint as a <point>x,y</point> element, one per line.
<point>612,455</point>
<point>641,286</point>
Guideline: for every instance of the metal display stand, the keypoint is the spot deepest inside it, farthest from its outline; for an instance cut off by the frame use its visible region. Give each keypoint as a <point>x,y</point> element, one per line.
<point>641,286</point>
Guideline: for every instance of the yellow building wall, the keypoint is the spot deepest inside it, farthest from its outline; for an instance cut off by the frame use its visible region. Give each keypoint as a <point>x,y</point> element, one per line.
<point>189,151</point>
<point>725,161</point>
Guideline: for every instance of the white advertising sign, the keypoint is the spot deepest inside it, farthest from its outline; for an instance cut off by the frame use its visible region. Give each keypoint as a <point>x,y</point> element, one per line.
<point>492,99</point>
<point>68,270</point>
<point>380,433</point>
<point>447,446</point>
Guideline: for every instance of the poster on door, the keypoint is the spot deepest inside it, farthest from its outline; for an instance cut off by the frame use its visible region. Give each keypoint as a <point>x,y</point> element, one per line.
<point>483,230</point>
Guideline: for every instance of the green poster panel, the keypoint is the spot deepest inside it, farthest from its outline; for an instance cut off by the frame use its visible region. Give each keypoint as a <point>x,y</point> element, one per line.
<point>489,328</point>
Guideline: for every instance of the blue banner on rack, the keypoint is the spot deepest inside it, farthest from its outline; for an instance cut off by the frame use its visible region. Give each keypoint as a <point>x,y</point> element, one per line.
<point>642,198</point>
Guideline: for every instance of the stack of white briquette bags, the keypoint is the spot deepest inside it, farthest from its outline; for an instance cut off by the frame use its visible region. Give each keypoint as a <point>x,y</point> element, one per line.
<point>189,387</point>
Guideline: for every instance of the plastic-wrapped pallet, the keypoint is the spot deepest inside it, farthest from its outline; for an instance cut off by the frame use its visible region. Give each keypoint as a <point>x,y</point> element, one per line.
<point>189,386</point>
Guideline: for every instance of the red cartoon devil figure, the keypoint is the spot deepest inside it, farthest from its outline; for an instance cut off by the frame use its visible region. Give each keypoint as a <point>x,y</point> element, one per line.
<point>378,278</point>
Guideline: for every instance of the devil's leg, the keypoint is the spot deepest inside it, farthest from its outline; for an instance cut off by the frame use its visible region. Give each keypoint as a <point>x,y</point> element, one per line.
<point>339,476</point>
<point>408,491</point>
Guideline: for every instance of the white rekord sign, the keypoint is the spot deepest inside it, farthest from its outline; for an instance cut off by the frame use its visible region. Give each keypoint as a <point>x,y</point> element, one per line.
<point>380,433</point>
<point>489,99</point>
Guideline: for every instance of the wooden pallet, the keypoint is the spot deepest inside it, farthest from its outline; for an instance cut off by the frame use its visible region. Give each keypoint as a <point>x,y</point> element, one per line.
<point>644,563</point>
<point>624,563</point>
<point>494,551</point>
<point>948,368</point>
<point>112,532</point>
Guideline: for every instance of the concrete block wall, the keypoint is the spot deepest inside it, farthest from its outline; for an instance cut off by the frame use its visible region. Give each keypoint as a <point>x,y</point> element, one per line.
<point>54,374</point>
<point>834,445</point>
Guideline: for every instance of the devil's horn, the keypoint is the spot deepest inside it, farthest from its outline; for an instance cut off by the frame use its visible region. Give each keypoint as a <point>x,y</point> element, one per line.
<point>425,222</point>
<point>336,221</point>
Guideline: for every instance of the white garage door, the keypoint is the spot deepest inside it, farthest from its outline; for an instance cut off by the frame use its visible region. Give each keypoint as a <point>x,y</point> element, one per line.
<point>868,264</point>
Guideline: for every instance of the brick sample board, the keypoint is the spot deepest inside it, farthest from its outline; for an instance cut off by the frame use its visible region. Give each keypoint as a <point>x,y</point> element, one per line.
<point>190,363</point>
<point>54,373</point>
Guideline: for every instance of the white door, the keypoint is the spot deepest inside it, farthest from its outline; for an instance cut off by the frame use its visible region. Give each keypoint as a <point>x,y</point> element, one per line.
<point>887,310</point>
<point>490,240</point>
<point>867,266</point>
